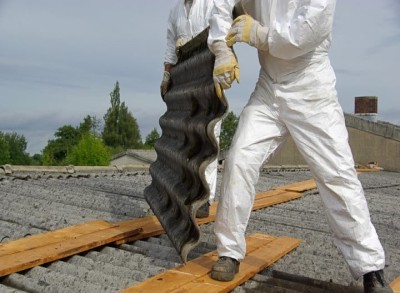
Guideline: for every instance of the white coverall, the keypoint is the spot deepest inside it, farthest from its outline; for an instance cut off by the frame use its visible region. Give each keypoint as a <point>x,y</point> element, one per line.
<point>295,94</point>
<point>184,26</point>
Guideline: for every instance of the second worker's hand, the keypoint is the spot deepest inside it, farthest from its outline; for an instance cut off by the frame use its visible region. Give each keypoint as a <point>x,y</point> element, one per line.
<point>226,68</point>
<point>247,30</point>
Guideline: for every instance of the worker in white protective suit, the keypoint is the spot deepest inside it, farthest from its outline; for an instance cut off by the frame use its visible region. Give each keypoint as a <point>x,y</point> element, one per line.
<point>295,95</point>
<point>187,19</point>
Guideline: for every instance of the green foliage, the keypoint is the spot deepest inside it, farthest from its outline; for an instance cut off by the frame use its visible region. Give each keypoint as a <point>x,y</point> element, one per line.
<point>120,127</point>
<point>90,124</point>
<point>36,160</point>
<point>4,150</point>
<point>66,138</point>
<point>228,129</point>
<point>90,151</point>
<point>56,151</point>
<point>151,139</point>
<point>13,149</point>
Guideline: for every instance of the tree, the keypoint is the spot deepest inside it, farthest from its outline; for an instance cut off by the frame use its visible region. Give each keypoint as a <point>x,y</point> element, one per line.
<point>90,124</point>
<point>121,130</point>
<point>228,129</point>
<point>90,151</point>
<point>66,138</point>
<point>151,138</point>
<point>13,149</point>
<point>56,151</point>
<point>4,150</point>
<point>36,160</point>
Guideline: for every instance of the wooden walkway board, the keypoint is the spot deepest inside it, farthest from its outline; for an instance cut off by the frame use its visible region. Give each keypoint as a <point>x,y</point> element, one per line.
<point>262,200</point>
<point>262,251</point>
<point>396,285</point>
<point>38,249</point>
<point>51,251</point>
<point>42,239</point>
<point>299,186</point>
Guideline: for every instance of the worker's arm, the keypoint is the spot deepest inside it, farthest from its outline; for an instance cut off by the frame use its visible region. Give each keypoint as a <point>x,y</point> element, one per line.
<point>293,35</point>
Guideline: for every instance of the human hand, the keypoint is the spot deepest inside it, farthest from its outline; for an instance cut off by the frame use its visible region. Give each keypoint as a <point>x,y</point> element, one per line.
<point>246,29</point>
<point>226,68</point>
<point>165,83</point>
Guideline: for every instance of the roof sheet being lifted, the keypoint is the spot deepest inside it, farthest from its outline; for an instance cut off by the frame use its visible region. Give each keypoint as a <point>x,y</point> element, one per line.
<point>187,145</point>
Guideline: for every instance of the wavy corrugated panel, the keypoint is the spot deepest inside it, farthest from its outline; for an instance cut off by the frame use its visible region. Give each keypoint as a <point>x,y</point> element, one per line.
<point>187,145</point>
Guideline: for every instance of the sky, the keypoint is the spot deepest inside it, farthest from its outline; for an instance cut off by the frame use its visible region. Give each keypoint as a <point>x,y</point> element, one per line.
<point>60,60</point>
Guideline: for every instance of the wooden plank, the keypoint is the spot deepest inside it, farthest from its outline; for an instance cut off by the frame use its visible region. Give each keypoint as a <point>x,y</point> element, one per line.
<point>254,262</point>
<point>396,285</point>
<point>299,186</point>
<point>269,193</point>
<point>275,199</point>
<point>152,227</point>
<point>262,250</point>
<point>176,277</point>
<point>27,259</point>
<point>262,200</point>
<point>148,226</point>
<point>42,239</point>
<point>200,266</point>
<point>198,287</point>
<point>363,170</point>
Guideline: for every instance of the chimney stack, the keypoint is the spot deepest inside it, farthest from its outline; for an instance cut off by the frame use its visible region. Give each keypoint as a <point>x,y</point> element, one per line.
<point>367,108</point>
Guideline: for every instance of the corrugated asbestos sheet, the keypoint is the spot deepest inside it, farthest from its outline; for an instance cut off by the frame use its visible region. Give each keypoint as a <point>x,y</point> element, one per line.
<point>187,145</point>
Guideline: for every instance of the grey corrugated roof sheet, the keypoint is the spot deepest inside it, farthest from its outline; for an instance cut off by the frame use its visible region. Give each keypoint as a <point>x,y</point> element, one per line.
<point>36,202</point>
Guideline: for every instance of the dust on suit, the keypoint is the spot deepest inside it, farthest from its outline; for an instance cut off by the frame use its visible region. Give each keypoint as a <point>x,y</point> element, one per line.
<point>184,23</point>
<point>294,95</point>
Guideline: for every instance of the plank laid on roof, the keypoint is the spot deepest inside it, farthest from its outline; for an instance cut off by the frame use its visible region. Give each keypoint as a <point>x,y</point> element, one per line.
<point>262,251</point>
<point>299,186</point>
<point>42,239</point>
<point>42,248</point>
<point>52,250</point>
<point>396,285</point>
<point>262,200</point>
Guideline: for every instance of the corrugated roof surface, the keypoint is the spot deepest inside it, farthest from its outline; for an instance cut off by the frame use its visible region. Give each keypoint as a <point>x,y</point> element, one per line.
<point>36,202</point>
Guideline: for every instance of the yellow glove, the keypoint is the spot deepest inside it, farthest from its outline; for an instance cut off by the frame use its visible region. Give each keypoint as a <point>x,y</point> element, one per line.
<point>246,29</point>
<point>226,68</point>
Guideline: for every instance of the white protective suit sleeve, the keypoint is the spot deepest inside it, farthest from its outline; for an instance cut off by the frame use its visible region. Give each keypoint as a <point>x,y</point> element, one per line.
<point>170,52</point>
<point>221,20</point>
<point>291,34</point>
<point>301,30</point>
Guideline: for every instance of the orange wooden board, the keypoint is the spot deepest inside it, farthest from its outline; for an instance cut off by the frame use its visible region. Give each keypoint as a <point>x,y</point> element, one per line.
<point>276,199</point>
<point>42,239</point>
<point>41,244</point>
<point>23,260</point>
<point>262,251</point>
<point>150,227</point>
<point>396,285</point>
<point>262,200</point>
<point>299,186</point>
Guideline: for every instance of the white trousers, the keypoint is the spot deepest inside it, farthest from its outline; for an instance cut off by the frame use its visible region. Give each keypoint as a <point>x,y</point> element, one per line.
<point>316,124</point>
<point>211,171</point>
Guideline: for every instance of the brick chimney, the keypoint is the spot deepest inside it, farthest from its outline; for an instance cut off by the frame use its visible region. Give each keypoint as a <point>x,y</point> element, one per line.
<point>366,107</point>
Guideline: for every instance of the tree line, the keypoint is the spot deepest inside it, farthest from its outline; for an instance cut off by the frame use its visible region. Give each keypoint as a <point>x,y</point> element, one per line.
<point>88,144</point>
